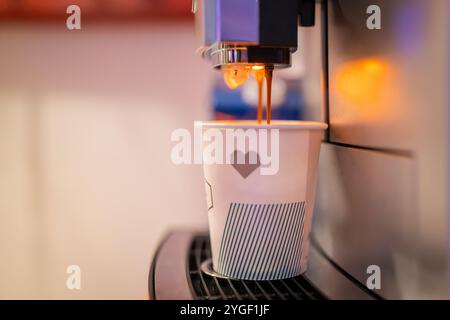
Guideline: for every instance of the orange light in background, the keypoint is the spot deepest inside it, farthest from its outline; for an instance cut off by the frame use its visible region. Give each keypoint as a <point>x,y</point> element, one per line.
<point>365,82</point>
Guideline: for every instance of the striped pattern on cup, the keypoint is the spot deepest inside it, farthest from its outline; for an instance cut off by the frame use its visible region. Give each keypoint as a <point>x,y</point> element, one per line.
<point>262,241</point>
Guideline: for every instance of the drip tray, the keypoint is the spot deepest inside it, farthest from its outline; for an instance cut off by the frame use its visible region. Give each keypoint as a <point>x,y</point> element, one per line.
<point>207,285</point>
<point>181,270</point>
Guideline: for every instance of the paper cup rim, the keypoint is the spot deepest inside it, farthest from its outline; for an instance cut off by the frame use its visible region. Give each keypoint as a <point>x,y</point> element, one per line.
<point>275,124</point>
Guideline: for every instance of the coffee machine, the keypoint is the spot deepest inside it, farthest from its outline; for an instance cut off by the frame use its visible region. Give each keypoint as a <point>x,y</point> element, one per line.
<point>377,72</point>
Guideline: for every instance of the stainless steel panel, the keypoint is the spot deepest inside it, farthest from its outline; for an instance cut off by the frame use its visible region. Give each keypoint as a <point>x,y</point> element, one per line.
<point>383,182</point>
<point>330,281</point>
<point>388,87</point>
<point>368,213</point>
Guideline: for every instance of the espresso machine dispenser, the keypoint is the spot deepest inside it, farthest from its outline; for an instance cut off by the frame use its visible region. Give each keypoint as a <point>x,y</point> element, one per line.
<point>377,72</point>
<point>248,32</point>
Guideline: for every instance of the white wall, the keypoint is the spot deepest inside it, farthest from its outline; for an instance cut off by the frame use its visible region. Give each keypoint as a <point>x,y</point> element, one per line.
<point>85,170</point>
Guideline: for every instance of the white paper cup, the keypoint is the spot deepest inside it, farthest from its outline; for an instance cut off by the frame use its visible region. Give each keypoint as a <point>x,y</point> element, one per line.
<point>259,224</point>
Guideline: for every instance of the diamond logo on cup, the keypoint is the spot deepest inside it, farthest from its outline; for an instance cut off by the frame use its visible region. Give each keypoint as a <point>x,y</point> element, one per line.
<point>209,197</point>
<point>245,169</point>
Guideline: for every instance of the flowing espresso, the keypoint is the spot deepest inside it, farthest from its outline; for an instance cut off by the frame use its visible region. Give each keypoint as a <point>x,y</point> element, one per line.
<point>268,74</point>
<point>259,74</point>
<point>236,75</point>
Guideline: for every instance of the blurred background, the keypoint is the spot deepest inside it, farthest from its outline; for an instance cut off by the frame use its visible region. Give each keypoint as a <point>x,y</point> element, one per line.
<point>86,117</point>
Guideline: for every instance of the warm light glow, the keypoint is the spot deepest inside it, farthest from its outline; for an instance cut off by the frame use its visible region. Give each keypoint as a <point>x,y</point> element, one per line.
<point>235,75</point>
<point>363,82</point>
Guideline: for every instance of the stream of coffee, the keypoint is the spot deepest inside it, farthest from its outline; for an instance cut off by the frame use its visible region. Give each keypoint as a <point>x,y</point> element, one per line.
<point>268,74</point>
<point>236,75</point>
<point>259,74</point>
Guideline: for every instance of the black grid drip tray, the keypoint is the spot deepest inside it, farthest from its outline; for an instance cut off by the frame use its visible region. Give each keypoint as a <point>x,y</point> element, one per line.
<point>205,286</point>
